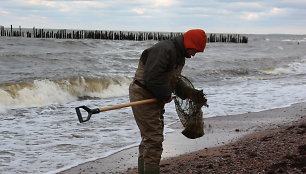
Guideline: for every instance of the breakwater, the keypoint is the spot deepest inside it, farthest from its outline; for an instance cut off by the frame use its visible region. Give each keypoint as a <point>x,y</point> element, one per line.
<point>109,35</point>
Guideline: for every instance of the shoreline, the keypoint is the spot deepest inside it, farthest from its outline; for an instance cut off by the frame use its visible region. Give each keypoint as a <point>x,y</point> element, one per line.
<point>277,150</point>
<point>219,131</point>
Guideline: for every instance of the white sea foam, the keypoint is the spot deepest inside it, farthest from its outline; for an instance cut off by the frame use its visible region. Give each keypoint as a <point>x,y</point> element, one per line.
<point>2,109</point>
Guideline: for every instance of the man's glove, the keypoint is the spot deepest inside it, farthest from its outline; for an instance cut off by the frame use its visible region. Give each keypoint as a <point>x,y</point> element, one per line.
<point>198,97</point>
<point>184,91</point>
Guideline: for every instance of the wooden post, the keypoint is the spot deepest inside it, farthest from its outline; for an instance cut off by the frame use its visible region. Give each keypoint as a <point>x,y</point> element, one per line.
<point>11,30</point>
<point>2,30</point>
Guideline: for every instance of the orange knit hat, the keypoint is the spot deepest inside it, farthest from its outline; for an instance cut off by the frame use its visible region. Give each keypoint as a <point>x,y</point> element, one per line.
<point>195,39</point>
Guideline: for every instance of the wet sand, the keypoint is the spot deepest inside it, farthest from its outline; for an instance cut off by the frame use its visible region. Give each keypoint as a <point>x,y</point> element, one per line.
<point>219,131</point>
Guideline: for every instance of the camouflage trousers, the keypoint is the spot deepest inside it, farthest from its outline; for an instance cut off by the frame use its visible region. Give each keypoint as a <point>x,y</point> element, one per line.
<point>150,121</point>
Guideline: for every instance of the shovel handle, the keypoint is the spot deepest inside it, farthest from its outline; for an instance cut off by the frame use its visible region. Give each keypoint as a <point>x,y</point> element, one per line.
<point>97,110</point>
<point>127,104</point>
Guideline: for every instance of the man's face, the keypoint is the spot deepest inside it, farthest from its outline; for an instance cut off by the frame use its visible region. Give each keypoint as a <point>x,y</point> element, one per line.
<point>191,51</point>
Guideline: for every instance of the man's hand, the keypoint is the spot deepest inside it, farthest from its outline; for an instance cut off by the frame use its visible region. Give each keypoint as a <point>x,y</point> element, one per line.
<point>198,97</point>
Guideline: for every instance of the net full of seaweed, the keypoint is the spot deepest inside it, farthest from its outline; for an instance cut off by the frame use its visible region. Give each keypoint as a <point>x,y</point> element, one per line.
<point>189,109</point>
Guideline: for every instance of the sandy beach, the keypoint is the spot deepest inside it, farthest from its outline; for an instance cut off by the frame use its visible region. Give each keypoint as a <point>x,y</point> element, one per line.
<point>228,141</point>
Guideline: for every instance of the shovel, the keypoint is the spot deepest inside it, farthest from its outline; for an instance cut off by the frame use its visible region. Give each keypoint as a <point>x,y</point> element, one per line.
<point>98,110</point>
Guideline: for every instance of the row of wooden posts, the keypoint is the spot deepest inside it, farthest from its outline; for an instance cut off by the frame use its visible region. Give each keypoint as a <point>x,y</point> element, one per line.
<point>110,35</point>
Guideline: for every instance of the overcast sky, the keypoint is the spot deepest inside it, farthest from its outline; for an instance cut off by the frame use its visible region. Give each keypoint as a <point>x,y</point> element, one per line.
<point>214,16</point>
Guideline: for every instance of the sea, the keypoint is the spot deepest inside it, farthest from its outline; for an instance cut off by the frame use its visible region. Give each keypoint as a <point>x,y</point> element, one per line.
<point>43,80</point>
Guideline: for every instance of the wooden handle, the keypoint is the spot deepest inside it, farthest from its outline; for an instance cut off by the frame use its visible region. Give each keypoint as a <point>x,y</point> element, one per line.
<point>128,104</point>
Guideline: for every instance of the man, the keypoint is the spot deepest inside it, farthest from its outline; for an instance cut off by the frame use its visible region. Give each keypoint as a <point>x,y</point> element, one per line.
<point>156,77</point>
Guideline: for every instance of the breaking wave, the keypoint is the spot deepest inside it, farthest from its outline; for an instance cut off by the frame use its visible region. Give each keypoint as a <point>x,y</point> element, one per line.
<point>294,40</point>
<point>297,68</point>
<point>45,92</point>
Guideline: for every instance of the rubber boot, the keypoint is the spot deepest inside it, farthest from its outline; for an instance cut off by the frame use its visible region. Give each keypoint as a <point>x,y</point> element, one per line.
<point>149,170</point>
<point>140,166</point>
